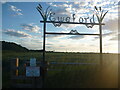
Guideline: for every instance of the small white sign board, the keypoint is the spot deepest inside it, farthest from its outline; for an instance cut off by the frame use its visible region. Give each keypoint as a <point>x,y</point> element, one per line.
<point>33,62</point>
<point>32,71</point>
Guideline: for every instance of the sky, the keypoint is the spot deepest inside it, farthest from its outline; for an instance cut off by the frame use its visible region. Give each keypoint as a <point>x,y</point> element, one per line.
<point>21,25</point>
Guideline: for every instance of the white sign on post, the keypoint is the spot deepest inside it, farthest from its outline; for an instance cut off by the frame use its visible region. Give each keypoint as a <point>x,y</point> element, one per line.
<point>33,62</point>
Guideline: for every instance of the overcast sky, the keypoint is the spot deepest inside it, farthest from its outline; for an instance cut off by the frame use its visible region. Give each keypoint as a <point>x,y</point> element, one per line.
<point>21,24</point>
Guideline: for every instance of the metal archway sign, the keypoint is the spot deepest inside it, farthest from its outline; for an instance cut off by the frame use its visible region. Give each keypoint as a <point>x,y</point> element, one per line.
<point>100,14</point>
<point>88,22</point>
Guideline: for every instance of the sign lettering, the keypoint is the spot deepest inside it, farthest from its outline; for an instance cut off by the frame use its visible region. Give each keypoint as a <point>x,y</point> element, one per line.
<point>53,18</point>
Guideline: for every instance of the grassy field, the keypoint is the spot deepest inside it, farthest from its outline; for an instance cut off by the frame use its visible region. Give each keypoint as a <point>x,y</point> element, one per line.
<point>70,76</point>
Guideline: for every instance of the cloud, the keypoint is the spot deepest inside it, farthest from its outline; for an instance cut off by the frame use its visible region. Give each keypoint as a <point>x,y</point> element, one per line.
<point>31,44</point>
<point>31,27</point>
<point>111,24</point>
<point>3,1</point>
<point>54,36</point>
<point>110,34</point>
<point>82,9</point>
<point>76,37</point>
<point>116,37</point>
<point>49,44</point>
<point>82,6</point>
<point>15,10</point>
<point>19,13</point>
<point>15,33</point>
<point>69,8</point>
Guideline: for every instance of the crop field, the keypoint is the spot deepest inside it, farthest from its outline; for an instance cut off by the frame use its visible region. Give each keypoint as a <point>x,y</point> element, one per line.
<point>70,70</point>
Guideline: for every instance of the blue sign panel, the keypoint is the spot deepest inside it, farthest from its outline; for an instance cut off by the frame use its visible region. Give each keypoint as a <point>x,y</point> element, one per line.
<point>32,71</point>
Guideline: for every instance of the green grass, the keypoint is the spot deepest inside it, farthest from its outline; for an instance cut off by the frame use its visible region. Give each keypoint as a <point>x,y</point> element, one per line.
<point>70,76</point>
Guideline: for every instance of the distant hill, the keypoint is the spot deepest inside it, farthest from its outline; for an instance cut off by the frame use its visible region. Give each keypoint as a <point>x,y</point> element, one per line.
<point>10,46</point>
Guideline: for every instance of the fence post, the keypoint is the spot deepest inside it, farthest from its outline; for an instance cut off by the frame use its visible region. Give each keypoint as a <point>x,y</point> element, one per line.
<point>14,65</point>
<point>17,65</point>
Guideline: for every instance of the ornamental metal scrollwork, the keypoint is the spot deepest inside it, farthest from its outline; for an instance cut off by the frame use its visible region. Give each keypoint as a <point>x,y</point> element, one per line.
<point>89,25</point>
<point>100,14</point>
<point>73,32</point>
<point>57,24</point>
<point>43,13</point>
